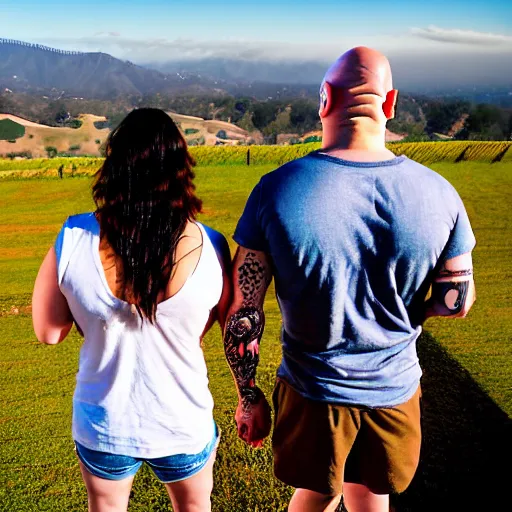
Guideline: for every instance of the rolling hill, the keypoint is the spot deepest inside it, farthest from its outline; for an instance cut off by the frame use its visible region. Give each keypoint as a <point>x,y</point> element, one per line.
<point>28,67</point>
<point>87,139</point>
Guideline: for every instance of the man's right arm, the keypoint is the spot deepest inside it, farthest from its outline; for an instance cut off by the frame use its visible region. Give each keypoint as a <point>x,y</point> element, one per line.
<point>453,289</point>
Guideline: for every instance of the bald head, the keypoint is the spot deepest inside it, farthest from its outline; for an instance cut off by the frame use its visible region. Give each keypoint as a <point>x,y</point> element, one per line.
<point>361,67</point>
<point>358,87</point>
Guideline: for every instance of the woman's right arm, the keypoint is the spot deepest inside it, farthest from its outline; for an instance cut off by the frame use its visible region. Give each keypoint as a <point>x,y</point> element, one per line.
<point>51,316</point>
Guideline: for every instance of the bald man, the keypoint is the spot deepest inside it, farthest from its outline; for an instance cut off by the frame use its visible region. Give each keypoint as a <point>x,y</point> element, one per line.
<point>364,246</point>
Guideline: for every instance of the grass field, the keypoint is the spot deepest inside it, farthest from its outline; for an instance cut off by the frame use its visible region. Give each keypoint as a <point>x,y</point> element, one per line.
<point>467,383</point>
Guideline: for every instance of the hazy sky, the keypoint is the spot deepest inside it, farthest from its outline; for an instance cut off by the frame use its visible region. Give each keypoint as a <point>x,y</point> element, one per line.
<point>160,30</point>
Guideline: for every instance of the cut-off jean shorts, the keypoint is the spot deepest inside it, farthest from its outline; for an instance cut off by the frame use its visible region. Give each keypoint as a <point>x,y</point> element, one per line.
<point>167,469</point>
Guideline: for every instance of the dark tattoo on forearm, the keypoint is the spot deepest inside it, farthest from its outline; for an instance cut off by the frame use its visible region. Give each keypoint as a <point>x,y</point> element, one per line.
<point>244,328</point>
<point>449,297</point>
<point>455,273</point>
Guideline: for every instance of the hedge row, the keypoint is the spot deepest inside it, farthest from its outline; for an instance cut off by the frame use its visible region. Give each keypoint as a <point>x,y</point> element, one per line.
<point>453,151</point>
<point>423,152</point>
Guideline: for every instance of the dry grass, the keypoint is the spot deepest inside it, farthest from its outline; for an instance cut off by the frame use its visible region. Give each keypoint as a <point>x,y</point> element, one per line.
<point>37,137</point>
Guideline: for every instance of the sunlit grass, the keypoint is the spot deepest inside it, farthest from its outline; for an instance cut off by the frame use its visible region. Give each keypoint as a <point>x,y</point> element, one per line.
<point>38,468</point>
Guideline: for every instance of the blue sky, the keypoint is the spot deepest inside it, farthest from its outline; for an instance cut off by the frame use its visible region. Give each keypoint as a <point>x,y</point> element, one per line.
<point>157,30</point>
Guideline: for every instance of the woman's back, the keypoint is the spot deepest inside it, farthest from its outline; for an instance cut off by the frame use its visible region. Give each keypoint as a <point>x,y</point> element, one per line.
<point>142,387</point>
<point>143,282</point>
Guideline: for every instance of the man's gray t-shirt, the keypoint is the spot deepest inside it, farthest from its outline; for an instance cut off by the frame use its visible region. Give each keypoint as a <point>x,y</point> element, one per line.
<point>354,247</point>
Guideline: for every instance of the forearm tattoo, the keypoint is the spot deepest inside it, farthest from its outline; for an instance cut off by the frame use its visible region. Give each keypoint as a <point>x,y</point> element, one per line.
<point>244,328</point>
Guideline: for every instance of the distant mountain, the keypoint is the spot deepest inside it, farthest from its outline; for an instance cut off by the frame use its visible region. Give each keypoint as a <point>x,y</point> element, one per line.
<point>244,72</point>
<point>30,68</point>
<point>27,67</point>
<point>280,79</point>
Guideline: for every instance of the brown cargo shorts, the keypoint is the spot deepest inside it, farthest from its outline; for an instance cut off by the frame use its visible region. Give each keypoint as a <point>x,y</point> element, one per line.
<point>318,445</point>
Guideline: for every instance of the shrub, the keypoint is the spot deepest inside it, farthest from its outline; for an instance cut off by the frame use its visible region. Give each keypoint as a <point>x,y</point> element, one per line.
<point>74,123</point>
<point>312,138</point>
<point>197,142</point>
<point>10,131</point>
<point>101,125</point>
<point>19,154</point>
<point>51,151</point>
<point>74,147</point>
<point>98,141</point>
<point>191,131</point>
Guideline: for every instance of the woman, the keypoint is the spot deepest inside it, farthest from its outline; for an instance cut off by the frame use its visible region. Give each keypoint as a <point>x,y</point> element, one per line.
<point>143,281</point>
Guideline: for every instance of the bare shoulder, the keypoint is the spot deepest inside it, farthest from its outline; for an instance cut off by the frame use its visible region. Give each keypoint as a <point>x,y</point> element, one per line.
<point>190,240</point>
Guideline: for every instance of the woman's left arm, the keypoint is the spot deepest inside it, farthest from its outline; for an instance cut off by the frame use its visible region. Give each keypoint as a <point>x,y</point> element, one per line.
<point>51,316</point>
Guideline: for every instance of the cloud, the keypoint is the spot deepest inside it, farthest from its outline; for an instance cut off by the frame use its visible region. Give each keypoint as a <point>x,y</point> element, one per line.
<point>478,59</point>
<point>467,37</point>
<point>111,34</point>
<point>161,49</point>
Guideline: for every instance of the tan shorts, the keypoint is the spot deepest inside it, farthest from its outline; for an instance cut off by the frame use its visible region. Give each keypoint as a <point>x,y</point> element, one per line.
<point>318,446</point>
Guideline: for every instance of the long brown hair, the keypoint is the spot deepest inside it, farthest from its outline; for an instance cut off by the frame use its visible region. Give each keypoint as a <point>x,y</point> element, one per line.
<point>144,195</point>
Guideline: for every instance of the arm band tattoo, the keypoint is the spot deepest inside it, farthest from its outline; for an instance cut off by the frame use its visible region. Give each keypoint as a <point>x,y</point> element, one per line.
<point>455,273</point>
<point>450,296</point>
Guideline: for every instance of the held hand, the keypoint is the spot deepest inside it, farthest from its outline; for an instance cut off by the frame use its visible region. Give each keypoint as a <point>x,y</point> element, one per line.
<point>253,417</point>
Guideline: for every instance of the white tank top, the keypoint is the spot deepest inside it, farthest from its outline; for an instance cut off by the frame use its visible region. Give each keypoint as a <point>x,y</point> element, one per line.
<point>141,389</point>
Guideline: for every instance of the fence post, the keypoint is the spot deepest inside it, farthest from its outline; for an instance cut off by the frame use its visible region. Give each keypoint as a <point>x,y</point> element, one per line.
<point>248,157</point>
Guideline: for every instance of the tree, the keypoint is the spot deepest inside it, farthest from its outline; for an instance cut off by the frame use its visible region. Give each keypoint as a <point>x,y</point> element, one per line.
<point>486,122</point>
<point>246,122</point>
<point>51,151</point>
<point>304,115</point>
<point>264,113</point>
<point>441,116</point>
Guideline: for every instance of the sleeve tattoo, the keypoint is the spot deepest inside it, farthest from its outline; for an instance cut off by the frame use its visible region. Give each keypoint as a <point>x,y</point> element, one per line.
<point>244,327</point>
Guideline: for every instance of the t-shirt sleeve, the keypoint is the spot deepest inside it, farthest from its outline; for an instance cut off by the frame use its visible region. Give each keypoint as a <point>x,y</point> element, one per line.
<point>462,239</point>
<point>249,232</point>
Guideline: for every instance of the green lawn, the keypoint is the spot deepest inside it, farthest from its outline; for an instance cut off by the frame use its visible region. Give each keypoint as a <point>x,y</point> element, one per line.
<point>467,363</point>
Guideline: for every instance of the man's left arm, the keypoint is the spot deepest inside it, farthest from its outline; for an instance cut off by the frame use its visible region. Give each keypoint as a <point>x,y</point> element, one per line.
<point>252,275</point>
<point>453,289</point>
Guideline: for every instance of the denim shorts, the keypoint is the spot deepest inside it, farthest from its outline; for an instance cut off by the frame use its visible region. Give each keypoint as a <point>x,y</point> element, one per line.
<point>167,469</point>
